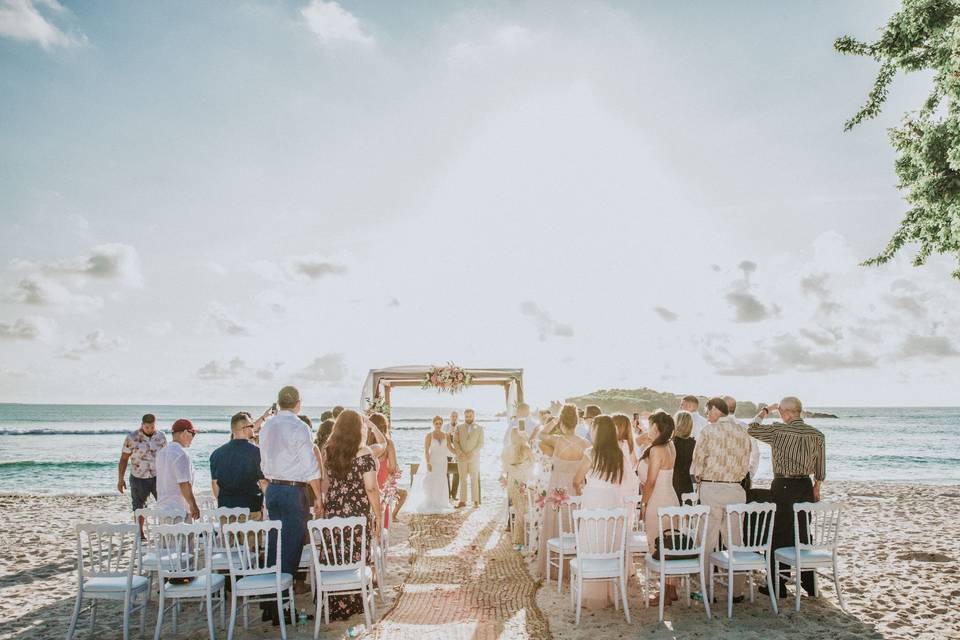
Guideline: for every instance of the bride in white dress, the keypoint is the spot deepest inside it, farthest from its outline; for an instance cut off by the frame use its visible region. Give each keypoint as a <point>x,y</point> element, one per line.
<point>430,492</point>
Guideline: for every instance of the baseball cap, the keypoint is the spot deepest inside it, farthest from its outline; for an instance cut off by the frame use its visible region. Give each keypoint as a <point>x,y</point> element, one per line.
<point>183,425</point>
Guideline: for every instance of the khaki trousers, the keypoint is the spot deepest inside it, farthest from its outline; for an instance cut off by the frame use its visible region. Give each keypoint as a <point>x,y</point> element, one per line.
<point>718,495</point>
<point>469,468</point>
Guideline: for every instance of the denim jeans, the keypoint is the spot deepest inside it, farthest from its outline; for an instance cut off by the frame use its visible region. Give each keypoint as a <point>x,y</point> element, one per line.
<point>288,505</point>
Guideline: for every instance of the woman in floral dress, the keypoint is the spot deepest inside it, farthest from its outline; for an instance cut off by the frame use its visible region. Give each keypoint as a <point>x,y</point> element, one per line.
<point>353,491</point>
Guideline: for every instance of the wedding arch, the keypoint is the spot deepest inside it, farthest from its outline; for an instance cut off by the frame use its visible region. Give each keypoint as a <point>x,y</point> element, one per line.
<point>380,382</point>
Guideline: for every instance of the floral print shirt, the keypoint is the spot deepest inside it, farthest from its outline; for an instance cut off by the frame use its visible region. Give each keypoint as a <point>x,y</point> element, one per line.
<point>142,450</point>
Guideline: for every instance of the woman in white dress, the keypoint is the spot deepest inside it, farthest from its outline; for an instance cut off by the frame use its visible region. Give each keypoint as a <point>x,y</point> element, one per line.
<point>430,493</point>
<point>602,480</point>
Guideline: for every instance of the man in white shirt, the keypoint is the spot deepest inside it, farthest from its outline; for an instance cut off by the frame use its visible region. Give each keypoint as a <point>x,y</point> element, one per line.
<point>175,472</point>
<point>754,446</point>
<point>288,464</point>
<point>691,404</point>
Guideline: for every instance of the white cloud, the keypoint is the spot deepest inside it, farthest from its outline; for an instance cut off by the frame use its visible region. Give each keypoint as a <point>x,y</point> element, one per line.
<point>334,25</point>
<point>928,347</point>
<point>503,40</point>
<point>327,368</point>
<point>310,267</point>
<point>95,342</point>
<point>224,321</point>
<point>31,328</point>
<point>314,268</point>
<point>40,291</point>
<point>214,370</point>
<point>544,322</point>
<point>114,261</point>
<point>23,20</point>
<point>666,314</point>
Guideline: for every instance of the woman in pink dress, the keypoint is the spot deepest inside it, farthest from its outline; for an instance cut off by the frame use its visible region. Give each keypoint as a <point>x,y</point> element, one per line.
<point>565,452</point>
<point>386,464</point>
<point>602,481</point>
<point>656,473</point>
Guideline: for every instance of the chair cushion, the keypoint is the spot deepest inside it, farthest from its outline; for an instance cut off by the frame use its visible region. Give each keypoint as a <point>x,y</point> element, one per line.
<point>150,559</point>
<point>263,582</point>
<point>637,543</point>
<point>339,577</point>
<point>198,584</point>
<point>219,560</point>
<point>568,544</point>
<point>808,557</point>
<point>740,558</point>
<point>690,565</point>
<point>596,567</point>
<point>113,583</point>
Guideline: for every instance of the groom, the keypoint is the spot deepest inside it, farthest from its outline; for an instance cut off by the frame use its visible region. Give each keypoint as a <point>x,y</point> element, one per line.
<point>467,442</point>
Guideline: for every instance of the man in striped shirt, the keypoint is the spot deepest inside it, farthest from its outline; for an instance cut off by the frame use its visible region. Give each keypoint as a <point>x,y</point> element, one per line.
<point>798,452</point>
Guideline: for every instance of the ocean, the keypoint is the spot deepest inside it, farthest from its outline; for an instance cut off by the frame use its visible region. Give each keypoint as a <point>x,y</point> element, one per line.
<point>74,449</point>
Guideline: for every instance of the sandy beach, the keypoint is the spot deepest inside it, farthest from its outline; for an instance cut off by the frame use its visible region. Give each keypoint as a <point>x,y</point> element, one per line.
<point>900,567</point>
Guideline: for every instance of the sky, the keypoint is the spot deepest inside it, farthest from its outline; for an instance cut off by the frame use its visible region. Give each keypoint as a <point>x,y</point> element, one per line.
<point>202,202</point>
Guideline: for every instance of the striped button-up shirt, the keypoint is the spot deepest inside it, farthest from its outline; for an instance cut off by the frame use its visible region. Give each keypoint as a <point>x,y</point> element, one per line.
<point>797,448</point>
<point>722,452</point>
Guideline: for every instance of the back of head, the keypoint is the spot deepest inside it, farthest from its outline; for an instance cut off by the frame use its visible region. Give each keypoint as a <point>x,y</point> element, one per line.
<point>690,403</point>
<point>683,422</point>
<point>665,429</point>
<point>731,404</point>
<point>306,420</point>
<point>238,421</point>
<point>793,405</point>
<point>380,421</point>
<point>591,411</point>
<point>569,418</point>
<point>343,444</point>
<point>323,433</point>
<point>607,455</point>
<point>336,411</point>
<point>719,404</point>
<point>326,415</point>
<point>288,398</point>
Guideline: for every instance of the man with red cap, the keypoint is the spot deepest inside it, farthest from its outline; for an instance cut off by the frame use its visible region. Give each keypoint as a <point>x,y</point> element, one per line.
<point>175,471</point>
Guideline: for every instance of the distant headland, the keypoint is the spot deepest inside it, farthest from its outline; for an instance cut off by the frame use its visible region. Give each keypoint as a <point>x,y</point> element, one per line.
<point>644,399</point>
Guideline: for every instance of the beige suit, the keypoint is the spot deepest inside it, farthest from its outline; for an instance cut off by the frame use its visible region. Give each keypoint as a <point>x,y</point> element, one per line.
<point>467,442</point>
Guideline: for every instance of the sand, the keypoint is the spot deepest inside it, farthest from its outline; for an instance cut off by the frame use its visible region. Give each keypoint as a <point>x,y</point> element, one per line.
<point>900,563</point>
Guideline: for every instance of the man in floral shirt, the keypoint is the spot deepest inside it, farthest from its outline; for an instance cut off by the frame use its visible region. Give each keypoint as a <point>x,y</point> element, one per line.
<point>140,452</point>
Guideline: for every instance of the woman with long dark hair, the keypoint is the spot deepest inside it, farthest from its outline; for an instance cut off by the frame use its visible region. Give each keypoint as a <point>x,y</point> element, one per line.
<point>353,491</point>
<point>656,475</point>
<point>625,437</point>
<point>601,480</point>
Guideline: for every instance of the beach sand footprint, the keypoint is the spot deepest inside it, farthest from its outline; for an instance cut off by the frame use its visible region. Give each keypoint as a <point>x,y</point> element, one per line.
<point>923,556</point>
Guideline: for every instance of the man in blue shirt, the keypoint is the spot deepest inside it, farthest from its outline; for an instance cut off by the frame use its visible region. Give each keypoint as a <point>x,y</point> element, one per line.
<point>235,469</point>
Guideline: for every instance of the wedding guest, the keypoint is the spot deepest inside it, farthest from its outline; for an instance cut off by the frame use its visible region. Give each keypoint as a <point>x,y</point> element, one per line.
<point>626,441</point>
<point>258,423</point>
<point>140,453</point>
<point>326,415</point>
<point>721,458</point>
<point>449,429</point>
<point>684,443</point>
<point>235,474</point>
<point>754,446</point>
<point>467,443</point>
<point>387,465</point>
<point>590,413</point>
<point>602,481</point>
<point>691,404</point>
<point>336,411</point>
<point>323,434</point>
<point>175,471</point>
<point>656,475</point>
<point>798,451</point>
<point>517,465</point>
<point>353,492</point>
<point>565,452</point>
<point>289,465</point>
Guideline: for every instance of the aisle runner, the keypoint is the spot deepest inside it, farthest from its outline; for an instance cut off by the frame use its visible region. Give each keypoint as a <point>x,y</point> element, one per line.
<point>467,582</point>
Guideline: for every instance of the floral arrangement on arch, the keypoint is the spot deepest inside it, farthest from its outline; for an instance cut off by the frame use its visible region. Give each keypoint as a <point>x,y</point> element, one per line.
<point>450,378</point>
<point>378,405</point>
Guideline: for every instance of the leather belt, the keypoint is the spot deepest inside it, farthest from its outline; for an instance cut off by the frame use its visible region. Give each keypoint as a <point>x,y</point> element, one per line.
<point>289,483</point>
<point>791,477</point>
<point>723,481</point>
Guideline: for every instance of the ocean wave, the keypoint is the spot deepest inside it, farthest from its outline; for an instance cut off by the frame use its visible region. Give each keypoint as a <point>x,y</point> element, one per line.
<point>15,465</point>
<point>46,431</point>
